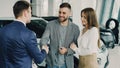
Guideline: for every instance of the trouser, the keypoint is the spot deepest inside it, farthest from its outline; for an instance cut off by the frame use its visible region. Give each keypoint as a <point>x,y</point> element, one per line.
<point>88,61</point>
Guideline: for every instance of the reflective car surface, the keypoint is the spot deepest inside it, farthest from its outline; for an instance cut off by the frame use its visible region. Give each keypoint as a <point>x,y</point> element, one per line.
<point>107,37</point>
<point>102,56</point>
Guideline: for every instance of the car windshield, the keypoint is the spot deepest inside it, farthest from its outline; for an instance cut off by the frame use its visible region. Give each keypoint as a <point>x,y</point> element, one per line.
<point>38,26</point>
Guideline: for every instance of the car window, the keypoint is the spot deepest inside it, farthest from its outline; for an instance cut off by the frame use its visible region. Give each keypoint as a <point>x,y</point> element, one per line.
<point>50,18</point>
<point>4,22</point>
<point>38,26</point>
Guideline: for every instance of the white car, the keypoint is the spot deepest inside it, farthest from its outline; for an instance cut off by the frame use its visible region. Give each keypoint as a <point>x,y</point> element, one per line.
<point>102,57</point>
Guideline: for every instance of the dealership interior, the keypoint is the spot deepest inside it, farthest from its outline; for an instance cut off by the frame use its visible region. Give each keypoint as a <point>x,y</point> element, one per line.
<point>108,15</point>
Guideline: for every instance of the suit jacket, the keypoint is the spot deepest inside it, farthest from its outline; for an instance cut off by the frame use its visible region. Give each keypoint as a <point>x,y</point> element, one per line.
<point>18,46</point>
<point>52,33</point>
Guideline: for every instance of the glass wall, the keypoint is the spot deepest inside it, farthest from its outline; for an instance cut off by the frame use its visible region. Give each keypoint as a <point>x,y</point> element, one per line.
<point>105,9</point>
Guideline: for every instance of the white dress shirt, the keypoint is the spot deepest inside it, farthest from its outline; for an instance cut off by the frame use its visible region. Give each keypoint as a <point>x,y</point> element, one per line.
<point>88,42</point>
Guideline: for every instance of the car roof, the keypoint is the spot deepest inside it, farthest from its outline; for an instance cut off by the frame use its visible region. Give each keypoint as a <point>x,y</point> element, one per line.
<point>7,18</point>
<point>13,18</point>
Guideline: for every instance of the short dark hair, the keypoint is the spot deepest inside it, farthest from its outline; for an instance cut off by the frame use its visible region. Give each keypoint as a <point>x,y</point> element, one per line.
<point>19,6</point>
<point>65,5</point>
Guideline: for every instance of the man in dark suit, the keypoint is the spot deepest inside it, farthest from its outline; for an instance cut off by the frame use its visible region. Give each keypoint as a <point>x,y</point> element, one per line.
<point>18,45</point>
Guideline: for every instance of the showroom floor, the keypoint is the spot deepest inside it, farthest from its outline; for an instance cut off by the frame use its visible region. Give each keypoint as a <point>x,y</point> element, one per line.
<point>114,57</point>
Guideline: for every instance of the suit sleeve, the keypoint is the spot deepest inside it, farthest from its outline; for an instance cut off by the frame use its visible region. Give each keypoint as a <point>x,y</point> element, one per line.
<point>76,34</point>
<point>32,48</point>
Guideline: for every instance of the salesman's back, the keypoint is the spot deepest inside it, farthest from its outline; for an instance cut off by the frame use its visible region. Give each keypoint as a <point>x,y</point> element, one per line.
<point>18,45</point>
<point>14,50</point>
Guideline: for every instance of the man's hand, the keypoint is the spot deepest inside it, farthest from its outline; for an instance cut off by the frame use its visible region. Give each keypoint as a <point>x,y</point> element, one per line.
<point>63,50</point>
<point>46,48</point>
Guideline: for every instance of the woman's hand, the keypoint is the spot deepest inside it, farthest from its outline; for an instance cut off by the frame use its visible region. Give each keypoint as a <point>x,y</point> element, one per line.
<point>73,46</point>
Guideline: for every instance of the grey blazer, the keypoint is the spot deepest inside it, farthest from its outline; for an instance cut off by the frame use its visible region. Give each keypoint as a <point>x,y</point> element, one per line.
<point>51,34</point>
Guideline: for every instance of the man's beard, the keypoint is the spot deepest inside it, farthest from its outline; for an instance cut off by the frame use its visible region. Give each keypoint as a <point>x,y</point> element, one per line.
<point>65,19</point>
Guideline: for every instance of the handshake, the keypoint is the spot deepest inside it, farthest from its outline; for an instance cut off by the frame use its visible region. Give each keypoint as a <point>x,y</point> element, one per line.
<point>46,48</point>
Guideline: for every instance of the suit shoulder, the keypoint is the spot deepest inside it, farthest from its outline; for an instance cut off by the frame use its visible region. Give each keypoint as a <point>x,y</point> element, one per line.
<point>27,34</point>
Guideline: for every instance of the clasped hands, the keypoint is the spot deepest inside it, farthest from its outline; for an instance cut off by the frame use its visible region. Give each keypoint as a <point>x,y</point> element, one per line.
<point>62,50</point>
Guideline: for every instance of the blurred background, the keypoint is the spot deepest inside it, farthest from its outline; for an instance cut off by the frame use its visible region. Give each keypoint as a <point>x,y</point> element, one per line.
<point>108,15</point>
<point>105,9</point>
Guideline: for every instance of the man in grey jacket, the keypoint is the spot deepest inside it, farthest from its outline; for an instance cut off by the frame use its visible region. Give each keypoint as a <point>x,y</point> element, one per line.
<point>60,33</point>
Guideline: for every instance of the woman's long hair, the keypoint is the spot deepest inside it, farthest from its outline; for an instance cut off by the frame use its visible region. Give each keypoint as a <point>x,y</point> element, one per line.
<point>92,20</point>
